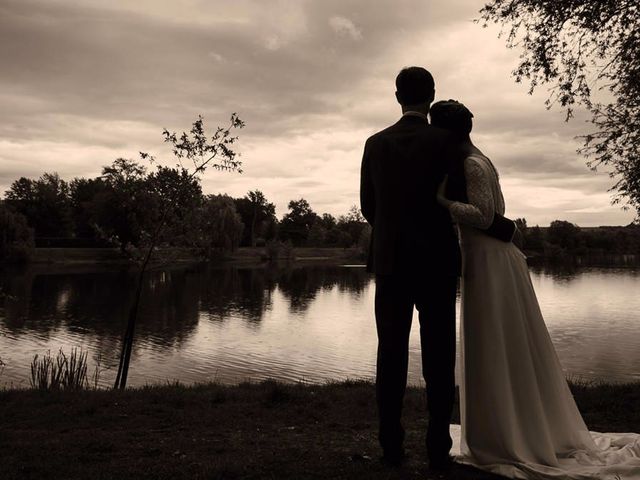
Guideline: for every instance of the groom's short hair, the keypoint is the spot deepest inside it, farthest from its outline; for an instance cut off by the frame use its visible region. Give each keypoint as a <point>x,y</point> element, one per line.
<point>414,85</point>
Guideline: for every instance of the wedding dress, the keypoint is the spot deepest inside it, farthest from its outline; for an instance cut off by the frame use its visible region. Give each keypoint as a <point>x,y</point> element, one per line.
<point>518,416</point>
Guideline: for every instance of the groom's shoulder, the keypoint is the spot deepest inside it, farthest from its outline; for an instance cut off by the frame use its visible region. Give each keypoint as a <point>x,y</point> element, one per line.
<point>389,133</point>
<point>376,141</point>
<point>427,131</point>
<point>382,133</point>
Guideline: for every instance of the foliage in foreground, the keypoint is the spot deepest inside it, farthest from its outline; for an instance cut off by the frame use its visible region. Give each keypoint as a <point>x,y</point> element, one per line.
<point>202,152</point>
<point>61,372</point>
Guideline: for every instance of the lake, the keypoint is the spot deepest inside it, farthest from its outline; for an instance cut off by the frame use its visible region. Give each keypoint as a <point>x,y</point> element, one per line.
<point>308,323</point>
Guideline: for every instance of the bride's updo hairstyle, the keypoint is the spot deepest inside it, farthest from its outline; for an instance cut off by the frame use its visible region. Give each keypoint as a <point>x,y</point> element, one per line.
<point>453,116</point>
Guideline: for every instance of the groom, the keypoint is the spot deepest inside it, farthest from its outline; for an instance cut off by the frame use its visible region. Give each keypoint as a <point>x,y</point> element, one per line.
<point>415,256</point>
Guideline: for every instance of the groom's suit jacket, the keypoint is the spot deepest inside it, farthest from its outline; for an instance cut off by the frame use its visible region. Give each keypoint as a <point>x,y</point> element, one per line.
<point>402,167</point>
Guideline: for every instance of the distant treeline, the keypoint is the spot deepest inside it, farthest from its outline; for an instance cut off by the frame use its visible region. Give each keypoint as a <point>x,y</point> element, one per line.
<point>565,239</point>
<point>123,206</point>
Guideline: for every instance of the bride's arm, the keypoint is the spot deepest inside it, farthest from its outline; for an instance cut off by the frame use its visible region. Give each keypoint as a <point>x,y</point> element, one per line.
<point>480,210</point>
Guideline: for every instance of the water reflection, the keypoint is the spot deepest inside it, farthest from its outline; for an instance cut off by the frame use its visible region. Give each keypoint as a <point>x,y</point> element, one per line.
<point>199,323</point>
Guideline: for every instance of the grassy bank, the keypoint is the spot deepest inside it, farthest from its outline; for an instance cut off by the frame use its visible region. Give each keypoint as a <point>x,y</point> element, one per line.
<point>251,431</point>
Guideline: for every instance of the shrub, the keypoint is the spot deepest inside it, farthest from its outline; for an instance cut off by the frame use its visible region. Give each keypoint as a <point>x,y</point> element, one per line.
<point>277,250</point>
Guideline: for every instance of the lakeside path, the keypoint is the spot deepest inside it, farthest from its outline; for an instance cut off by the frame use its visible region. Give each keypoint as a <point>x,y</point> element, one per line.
<point>250,431</point>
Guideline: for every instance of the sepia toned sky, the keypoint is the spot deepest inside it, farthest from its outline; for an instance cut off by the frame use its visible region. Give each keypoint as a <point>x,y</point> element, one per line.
<point>85,82</point>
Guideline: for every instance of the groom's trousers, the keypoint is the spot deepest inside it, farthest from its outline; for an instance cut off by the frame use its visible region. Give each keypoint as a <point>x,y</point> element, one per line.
<point>434,296</point>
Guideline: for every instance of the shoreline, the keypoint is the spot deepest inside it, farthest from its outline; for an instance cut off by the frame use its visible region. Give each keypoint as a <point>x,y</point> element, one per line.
<point>243,255</point>
<point>258,256</point>
<point>245,431</point>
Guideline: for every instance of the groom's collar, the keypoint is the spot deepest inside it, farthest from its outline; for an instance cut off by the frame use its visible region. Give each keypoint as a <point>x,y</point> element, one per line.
<point>412,115</point>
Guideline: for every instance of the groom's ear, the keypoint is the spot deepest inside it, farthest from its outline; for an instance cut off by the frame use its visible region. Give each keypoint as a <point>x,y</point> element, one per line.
<point>398,98</point>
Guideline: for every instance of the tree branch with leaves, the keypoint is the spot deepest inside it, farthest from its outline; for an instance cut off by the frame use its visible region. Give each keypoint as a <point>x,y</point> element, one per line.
<point>588,53</point>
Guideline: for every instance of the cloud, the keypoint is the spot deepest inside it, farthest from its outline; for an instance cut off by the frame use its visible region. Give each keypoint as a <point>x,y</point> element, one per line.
<point>273,43</point>
<point>84,83</point>
<point>345,27</point>
<point>215,56</point>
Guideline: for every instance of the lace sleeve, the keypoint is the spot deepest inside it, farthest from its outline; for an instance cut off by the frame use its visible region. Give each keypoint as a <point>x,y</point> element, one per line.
<point>480,210</point>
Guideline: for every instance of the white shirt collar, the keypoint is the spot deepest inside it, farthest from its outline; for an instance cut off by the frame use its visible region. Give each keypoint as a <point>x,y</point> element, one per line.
<point>416,114</point>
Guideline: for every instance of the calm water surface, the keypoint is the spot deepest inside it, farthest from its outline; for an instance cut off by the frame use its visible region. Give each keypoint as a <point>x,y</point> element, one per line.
<point>305,323</point>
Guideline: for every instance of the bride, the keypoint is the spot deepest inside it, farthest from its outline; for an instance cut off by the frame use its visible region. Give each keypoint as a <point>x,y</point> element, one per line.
<point>518,416</point>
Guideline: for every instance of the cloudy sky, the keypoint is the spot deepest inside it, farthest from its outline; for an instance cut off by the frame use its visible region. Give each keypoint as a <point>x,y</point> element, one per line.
<point>85,82</point>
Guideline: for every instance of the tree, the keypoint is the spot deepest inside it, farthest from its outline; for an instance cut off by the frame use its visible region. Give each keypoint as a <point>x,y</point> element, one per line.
<point>579,48</point>
<point>317,235</point>
<point>23,197</point>
<point>258,216</point>
<point>564,234</point>
<point>122,209</point>
<point>354,215</point>
<point>328,221</point>
<point>534,239</point>
<point>45,203</point>
<point>352,224</point>
<point>201,151</point>
<point>220,227</point>
<point>174,191</point>
<point>297,223</point>
<point>16,238</point>
<point>123,173</point>
<point>125,204</point>
<point>83,193</point>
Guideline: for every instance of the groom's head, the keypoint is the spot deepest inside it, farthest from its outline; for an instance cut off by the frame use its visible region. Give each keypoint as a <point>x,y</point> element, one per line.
<point>415,89</point>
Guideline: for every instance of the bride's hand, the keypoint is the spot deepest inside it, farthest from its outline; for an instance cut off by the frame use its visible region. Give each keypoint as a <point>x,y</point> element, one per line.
<point>441,193</point>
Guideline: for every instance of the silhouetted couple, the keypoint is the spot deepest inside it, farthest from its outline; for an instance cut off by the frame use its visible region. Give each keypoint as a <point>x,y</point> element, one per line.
<point>436,208</point>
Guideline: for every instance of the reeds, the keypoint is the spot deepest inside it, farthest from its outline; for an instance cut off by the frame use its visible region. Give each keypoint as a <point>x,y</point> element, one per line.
<point>61,372</point>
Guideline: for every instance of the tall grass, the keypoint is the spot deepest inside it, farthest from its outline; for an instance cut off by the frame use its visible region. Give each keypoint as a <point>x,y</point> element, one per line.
<point>97,371</point>
<point>61,372</point>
